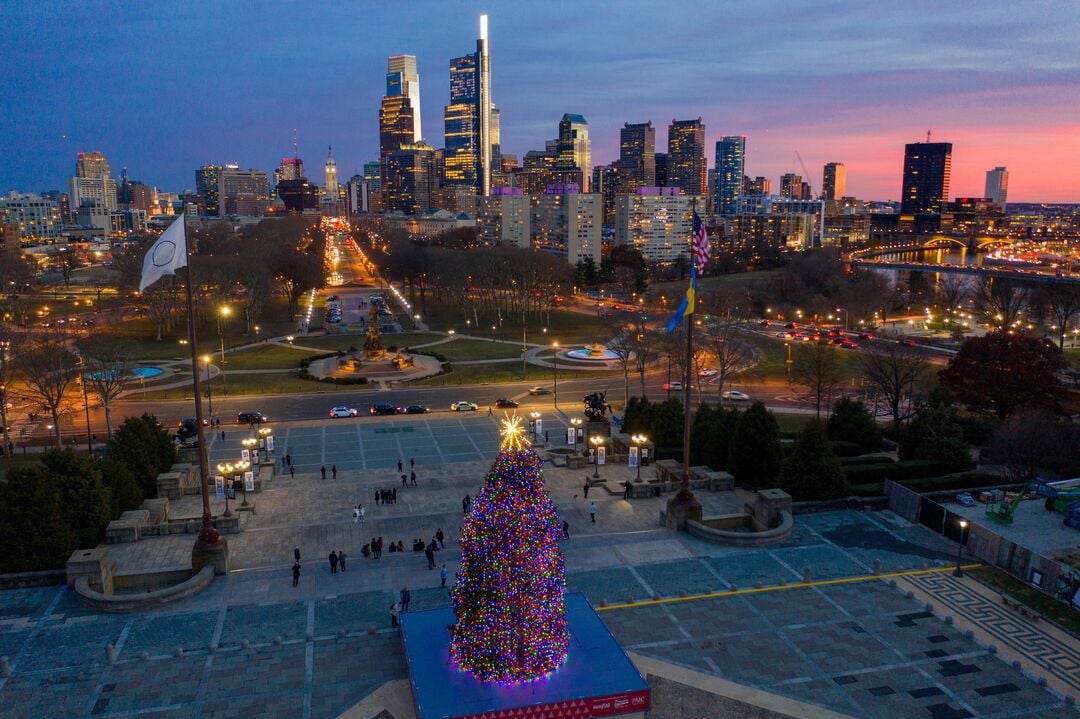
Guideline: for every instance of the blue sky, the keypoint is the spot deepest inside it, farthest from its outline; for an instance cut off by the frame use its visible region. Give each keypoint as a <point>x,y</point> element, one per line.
<point>165,87</point>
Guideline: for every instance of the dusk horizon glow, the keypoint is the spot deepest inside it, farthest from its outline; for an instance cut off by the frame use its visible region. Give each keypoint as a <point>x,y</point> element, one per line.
<point>163,90</point>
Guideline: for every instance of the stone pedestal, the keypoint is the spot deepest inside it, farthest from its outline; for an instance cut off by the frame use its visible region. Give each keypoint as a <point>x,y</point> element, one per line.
<point>678,512</point>
<point>595,428</point>
<point>94,564</point>
<point>216,556</point>
<point>766,506</point>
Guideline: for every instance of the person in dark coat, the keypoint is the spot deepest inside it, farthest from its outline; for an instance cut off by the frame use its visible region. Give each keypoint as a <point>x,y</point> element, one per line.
<point>295,573</point>
<point>430,558</point>
<point>333,471</point>
<point>565,530</point>
<point>399,465</point>
<point>440,536</point>
<point>341,559</point>
<point>626,489</point>
<point>405,597</point>
<point>378,496</point>
<point>393,496</point>
<point>292,472</point>
<point>412,463</point>
<point>586,489</point>
<point>333,562</point>
<point>323,470</point>
<point>296,553</point>
<point>404,481</point>
<point>412,478</point>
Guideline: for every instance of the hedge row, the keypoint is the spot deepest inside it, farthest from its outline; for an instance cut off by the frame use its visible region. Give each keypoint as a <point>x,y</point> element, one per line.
<point>957,481</point>
<point>896,471</point>
<point>866,461</point>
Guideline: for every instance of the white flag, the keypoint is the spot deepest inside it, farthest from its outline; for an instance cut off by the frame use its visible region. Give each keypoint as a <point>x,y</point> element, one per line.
<point>168,253</point>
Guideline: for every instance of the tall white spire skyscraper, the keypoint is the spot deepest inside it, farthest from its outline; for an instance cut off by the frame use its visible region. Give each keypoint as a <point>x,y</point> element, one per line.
<point>403,79</point>
<point>484,63</point>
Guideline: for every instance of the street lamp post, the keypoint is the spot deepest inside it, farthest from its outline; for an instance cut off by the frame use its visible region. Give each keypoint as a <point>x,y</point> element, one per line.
<point>576,422</point>
<point>241,468</point>
<point>555,371</point>
<point>958,572</point>
<point>209,393</point>
<point>535,417</point>
<point>226,470</point>
<point>597,442</point>
<point>841,309</point>
<point>639,440</point>
<point>225,312</point>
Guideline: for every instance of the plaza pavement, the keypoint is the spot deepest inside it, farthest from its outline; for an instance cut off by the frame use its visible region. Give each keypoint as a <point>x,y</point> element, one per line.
<point>252,645</point>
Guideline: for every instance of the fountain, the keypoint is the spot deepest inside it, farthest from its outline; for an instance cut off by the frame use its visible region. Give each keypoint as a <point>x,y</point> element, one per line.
<point>595,352</point>
<point>373,346</point>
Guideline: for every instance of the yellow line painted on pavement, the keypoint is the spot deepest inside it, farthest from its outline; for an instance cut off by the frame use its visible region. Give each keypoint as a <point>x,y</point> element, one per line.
<point>778,587</point>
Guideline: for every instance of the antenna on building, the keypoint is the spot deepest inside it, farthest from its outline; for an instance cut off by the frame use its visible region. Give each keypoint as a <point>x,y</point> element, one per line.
<point>295,146</point>
<point>928,136</point>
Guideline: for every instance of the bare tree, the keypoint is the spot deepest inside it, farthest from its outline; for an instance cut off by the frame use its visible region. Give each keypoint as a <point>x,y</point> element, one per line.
<point>7,374</point>
<point>726,344</point>
<point>952,290</point>
<point>1003,301</point>
<point>645,347</point>
<point>1064,304</point>
<point>161,304</point>
<point>67,261</point>
<point>623,346</point>
<point>108,372</point>
<point>818,369</point>
<point>49,367</point>
<point>892,370</point>
<point>1027,441</point>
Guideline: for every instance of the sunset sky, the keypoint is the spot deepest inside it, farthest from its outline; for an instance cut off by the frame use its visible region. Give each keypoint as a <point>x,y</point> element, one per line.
<point>163,88</point>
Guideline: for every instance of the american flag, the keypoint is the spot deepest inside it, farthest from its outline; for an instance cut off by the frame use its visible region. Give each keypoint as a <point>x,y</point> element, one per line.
<point>699,244</point>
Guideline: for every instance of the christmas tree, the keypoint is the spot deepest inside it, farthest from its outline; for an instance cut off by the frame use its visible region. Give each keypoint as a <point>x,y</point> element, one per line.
<point>511,619</point>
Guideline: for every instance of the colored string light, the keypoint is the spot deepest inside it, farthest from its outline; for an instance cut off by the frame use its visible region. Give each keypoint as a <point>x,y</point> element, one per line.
<point>511,619</point>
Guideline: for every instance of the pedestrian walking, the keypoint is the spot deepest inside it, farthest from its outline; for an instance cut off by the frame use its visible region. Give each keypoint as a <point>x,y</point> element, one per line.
<point>292,472</point>
<point>430,557</point>
<point>393,496</point>
<point>296,573</point>
<point>374,551</point>
<point>626,489</point>
<point>412,478</point>
<point>323,470</point>
<point>465,504</point>
<point>442,577</point>
<point>362,512</point>
<point>592,511</point>
<point>490,413</point>
<point>412,463</point>
<point>378,546</point>
<point>545,436</point>
<point>288,459</point>
<point>395,608</point>
<point>341,559</point>
<point>333,562</point>
<point>404,481</point>
<point>399,465</point>
<point>222,435</point>
<point>586,488</point>
<point>565,530</point>
<point>405,597</point>
<point>333,471</point>
<point>296,554</point>
<point>440,536</point>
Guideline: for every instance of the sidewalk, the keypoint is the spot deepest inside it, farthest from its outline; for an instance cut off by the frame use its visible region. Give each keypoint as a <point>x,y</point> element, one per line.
<point>1041,649</point>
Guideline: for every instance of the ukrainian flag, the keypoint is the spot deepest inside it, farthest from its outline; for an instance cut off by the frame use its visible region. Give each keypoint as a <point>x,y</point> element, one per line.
<point>686,307</point>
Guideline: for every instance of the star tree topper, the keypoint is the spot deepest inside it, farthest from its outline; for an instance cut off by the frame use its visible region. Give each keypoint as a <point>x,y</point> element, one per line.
<point>513,434</point>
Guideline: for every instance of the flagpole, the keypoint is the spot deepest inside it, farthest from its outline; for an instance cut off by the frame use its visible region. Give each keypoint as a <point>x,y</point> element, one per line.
<point>209,540</point>
<point>685,494</point>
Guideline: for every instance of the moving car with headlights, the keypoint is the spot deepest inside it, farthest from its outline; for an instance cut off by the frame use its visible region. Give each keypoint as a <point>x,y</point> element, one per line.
<point>539,390</point>
<point>343,412</point>
<point>463,407</point>
<point>506,403</point>
<point>735,395</point>
<point>251,418</point>
<point>384,408</point>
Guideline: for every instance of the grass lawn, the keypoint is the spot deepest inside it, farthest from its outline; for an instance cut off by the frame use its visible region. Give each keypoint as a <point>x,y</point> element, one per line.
<point>1033,598</point>
<point>564,327</point>
<point>285,382</point>
<point>265,357</point>
<point>460,350</point>
<point>506,372</point>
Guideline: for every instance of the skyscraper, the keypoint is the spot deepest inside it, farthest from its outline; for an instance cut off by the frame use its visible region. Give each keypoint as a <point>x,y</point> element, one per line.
<point>291,168</point>
<point>572,153</point>
<point>408,178</point>
<point>331,181</point>
<point>396,129</point>
<point>834,182</point>
<point>730,162</point>
<point>241,192</point>
<point>91,165</point>
<point>686,156</point>
<point>791,186</point>
<point>927,167</point>
<point>997,186</point>
<point>471,122</point>
<point>637,156</point>
<point>402,79</point>
<point>206,186</point>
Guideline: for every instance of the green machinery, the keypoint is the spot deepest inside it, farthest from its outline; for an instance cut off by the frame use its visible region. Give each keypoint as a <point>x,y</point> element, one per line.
<point>1002,510</point>
<point>1056,499</point>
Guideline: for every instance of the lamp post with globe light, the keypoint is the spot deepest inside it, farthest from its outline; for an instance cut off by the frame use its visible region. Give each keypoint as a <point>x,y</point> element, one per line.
<point>597,442</point>
<point>639,441</point>
<point>225,469</point>
<point>225,312</point>
<point>209,393</point>
<point>958,572</point>
<point>576,422</point>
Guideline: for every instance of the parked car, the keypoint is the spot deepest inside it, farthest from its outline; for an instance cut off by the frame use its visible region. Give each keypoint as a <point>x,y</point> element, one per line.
<point>906,342</point>
<point>735,395</point>
<point>965,499</point>
<point>416,409</point>
<point>343,412</point>
<point>673,386</point>
<point>707,372</point>
<point>384,408</point>
<point>251,418</point>
<point>849,345</point>
<point>190,422</point>
<point>866,335</point>
<point>539,390</point>
<point>505,402</point>
<point>463,407</point>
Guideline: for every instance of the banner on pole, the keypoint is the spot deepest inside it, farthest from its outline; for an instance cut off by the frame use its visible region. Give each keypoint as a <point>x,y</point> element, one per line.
<point>249,481</point>
<point>571,436</point>
<point>633,458</point>
<point>539,428</point>
<point>270,443</point>
<point>245,455</point>
<point>602,456</point>
<point>231,490</point>
<point>219,487</point>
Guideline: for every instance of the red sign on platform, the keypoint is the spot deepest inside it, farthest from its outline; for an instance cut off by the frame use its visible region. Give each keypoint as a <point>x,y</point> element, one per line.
<point>612,705</point>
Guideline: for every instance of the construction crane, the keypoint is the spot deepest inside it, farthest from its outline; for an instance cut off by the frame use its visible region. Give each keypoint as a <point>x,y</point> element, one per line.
<point>806,174</point>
